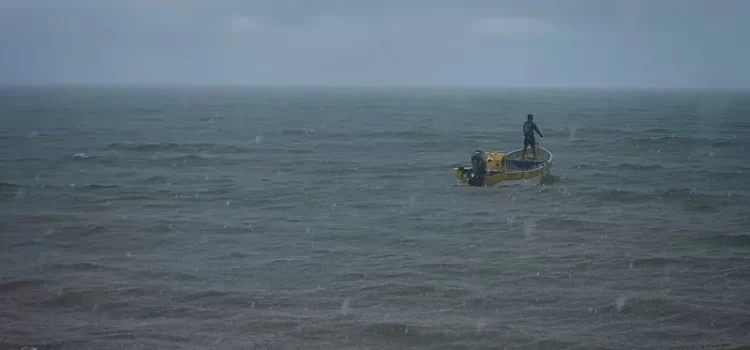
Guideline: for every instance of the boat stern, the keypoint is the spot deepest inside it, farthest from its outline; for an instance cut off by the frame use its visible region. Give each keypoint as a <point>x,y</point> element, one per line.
<point>461,174</point>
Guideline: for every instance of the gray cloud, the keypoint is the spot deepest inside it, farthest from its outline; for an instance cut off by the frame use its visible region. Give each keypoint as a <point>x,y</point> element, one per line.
<point>682,43</point>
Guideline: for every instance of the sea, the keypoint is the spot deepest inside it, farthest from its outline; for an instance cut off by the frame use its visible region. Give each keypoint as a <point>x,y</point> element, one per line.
<point>195,217</point>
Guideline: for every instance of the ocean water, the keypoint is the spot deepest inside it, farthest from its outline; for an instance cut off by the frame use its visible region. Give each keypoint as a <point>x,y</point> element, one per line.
<point>248,218</point>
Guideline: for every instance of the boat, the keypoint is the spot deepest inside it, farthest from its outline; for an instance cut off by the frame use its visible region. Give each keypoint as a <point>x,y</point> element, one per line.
<point>490,168</point>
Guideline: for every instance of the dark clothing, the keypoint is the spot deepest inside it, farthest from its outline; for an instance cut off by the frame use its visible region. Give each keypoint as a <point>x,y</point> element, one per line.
<point>529,142</point>
<point>529,128</point>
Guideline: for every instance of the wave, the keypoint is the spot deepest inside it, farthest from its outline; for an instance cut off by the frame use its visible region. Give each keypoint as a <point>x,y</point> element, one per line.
<point>296,132</point>
<point>188,158</point>
<point>9,186</point>
<point>134,197</point>
<point>394,329</point>
<point>77,267</point>
<point>236,299</point>
<point>213,148</point>
<point>68,344</point>
<point>702,208</point>
<point>42,219</point>
<point>409,134</point>
<point>654,307</point>
<point>692,262</point>
<point>727,173</point>
<point>685,195</point>
<point>150,275</point>
<point>570,224</point>
<point>580,132</point>
<point>11,286</point>
<point>621,166</point>
<point>233,255</point>
<point>202,159</point>
<point>396,290</point>
<point>148,110</point>
<point>741,240</point>
<point>355,135</point>
<point>85,158</point>
<point>156,179</point>
<point>99,186</point>
<point>683,140</point>
<point>93,187</point>
<point>630,166</point>
<point>735,125</point>
<point>657,131</point>
<point>144,147</point>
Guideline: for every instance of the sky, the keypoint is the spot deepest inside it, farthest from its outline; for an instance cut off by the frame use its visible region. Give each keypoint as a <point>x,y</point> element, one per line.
<point>513,43</point>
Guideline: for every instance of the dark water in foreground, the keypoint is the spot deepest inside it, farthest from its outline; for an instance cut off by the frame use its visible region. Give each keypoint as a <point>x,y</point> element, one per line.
<point>323,219</point>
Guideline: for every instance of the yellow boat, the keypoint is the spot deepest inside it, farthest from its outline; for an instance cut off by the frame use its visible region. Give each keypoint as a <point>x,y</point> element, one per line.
<point>490,168</point>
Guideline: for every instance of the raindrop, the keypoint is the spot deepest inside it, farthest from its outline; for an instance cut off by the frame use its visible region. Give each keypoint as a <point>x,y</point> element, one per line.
<point>258,139</point>
<point>620,303</point>
<point>528,228</point>
<point>345,307</point>
<point>481,324</point>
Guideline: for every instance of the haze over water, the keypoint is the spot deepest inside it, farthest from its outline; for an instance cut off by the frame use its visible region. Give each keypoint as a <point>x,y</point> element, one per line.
<point>236,218</point>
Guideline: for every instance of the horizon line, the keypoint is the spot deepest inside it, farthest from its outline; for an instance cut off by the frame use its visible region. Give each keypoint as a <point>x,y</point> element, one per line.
<point>371,86</point>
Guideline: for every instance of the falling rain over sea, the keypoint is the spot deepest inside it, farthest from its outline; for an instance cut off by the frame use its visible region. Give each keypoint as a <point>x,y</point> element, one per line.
<point>239,218</point>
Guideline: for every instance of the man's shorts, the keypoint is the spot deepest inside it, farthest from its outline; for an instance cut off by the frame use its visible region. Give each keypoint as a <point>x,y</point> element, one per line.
<point>529,142</point>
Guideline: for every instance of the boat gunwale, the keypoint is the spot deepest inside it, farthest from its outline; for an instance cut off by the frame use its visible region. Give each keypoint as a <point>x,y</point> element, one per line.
<point>544,164</point>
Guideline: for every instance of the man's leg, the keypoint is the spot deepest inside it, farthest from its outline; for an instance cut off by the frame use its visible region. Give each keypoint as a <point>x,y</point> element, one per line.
<point>533,147</point>
<point>525,146</point>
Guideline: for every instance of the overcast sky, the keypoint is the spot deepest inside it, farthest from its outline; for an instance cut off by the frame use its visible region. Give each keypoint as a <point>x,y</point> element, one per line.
<point>577,43</point>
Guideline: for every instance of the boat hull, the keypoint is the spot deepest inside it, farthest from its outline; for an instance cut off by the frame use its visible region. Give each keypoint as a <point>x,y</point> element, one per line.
<point>516,168</point>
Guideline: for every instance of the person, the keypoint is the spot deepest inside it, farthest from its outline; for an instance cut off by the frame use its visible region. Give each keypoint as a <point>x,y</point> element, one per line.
<point>529,127</point>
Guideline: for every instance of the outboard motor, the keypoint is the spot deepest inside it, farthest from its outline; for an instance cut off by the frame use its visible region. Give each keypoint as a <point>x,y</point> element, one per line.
<point>478,169</point>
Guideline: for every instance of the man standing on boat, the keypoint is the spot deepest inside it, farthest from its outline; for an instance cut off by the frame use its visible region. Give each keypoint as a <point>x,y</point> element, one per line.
<point>529,127</point>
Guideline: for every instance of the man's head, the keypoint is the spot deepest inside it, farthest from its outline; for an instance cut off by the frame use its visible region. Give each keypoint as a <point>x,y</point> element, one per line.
<point>530,117</point>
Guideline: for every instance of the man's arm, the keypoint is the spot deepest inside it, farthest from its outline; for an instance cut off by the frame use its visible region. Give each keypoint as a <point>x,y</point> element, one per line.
<point>537,131</point>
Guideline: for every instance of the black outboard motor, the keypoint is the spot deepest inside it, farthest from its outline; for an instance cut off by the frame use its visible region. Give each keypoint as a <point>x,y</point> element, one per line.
<point>478,169</point>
